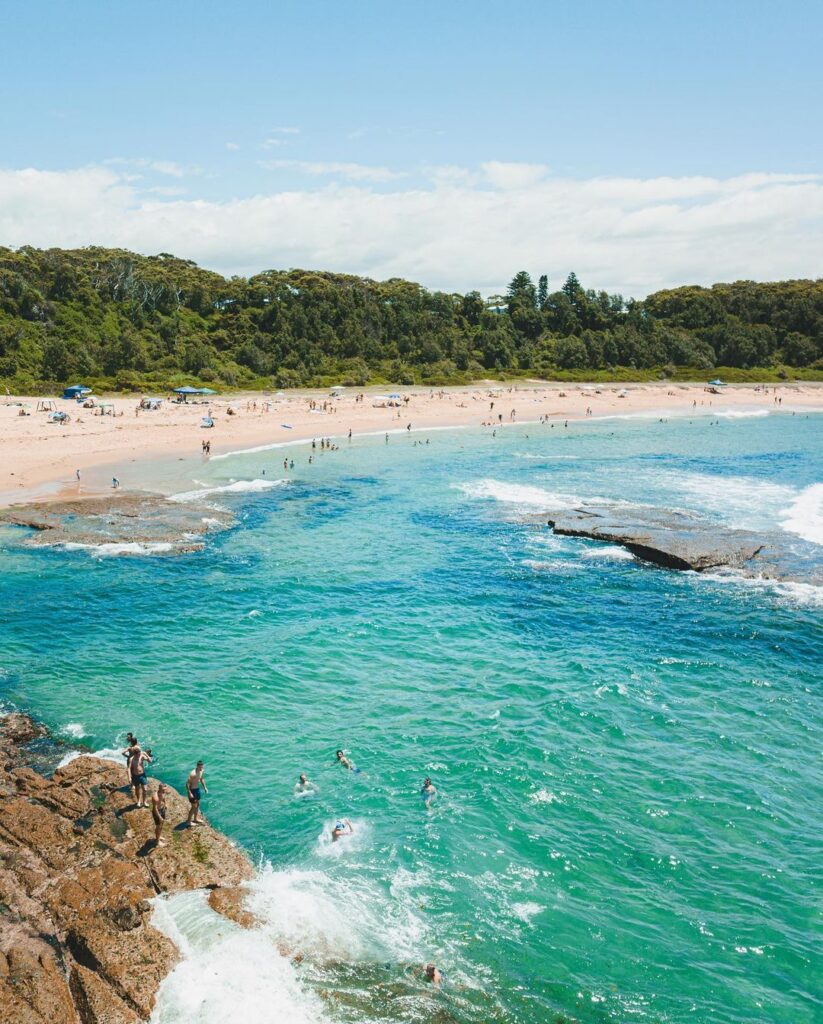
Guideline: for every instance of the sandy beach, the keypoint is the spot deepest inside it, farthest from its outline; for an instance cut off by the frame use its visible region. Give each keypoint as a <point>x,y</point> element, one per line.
<point>39,458</point>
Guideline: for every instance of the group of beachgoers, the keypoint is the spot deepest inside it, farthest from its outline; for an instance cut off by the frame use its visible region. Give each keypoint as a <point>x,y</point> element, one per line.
<point>137,760</point>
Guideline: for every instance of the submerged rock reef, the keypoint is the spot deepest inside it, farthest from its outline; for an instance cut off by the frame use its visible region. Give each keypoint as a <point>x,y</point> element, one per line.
<point>78,867</point>
<point>685,541</point>
<point>122,523</point>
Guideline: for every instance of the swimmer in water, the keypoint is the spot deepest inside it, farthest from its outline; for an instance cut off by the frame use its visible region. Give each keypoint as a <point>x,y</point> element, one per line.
<point>304,786</point>
<point>341,757</point>
<point>433,975</point>
<point>342,828</point>
<point>428,791</point>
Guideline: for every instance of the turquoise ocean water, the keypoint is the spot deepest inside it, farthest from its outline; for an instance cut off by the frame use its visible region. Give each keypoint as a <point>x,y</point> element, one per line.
<point>628,825</point>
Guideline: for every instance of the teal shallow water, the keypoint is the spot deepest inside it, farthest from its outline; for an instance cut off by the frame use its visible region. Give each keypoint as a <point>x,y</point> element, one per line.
<point>628,825</point>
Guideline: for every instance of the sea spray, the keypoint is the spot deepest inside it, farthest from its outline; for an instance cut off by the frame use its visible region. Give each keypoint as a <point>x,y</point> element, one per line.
<point>805,515</point>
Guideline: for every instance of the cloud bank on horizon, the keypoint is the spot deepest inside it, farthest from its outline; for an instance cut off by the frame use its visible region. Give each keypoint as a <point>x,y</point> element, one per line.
<point>453,228</point>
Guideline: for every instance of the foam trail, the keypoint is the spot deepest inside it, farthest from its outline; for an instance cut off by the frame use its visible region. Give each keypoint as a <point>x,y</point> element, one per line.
<point>112,549</point>
<point>521,495</point>
<point>805,515</point>
<point>236,487</point>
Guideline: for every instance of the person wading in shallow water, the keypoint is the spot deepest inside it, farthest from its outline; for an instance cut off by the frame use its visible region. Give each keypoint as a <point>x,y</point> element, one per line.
<point>194,784</point>
<point>158,813</point>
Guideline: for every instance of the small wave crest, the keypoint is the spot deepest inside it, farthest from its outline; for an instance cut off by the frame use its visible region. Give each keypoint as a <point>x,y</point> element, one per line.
<point>521,495</point>
<point>793,592</point>
<point>111,549</point>
<point>611,552</point>
<point>235,487</point>
<point>805,515</point>
<point>742,414</point>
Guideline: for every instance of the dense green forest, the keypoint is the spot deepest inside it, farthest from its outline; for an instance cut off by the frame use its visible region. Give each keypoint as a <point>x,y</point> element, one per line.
<point>119,320</point>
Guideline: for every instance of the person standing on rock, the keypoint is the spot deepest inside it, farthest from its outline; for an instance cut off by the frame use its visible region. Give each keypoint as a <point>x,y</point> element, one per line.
<point>138,760</point>
<point>158,813</point>
<point>194,783</point>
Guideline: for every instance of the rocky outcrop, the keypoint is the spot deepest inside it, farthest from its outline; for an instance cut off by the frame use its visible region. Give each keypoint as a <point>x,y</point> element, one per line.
<point>681,540</point>
<point>135,522</point>
<point>672,539</point>
<point>78,867</point>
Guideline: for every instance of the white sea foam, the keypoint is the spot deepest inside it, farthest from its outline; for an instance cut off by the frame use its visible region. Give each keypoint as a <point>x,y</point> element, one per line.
<point>74,729</point>
<point>742,414</point>
<point>224,968</point>
<point>526,910</point>
<point>741,501</point>
<point>805,514</point>
<point>613,552</point>
<point>235,487</point>
<point>346,919</point>
<point>105,754</point>
<point>546,458</point>
<point>543,796</point>
<point>789,591</point>
<point>114,548</point>
<point>521,495</point>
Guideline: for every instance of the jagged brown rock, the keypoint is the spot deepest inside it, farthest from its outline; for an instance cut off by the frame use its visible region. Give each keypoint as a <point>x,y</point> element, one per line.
<point>78,867</point>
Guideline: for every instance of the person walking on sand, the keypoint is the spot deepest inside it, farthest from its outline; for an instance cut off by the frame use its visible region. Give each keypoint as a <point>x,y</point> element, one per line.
<point>158,813</point>
<point>137,766</point>
<point>194,783</point>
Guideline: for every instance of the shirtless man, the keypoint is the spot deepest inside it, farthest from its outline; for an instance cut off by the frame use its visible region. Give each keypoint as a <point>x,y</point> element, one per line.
<point>433,975</point>
<point>428,791</point>
<point>138,759</point>
<point>303,785</point>
<point>158,813</point>
<point>130,741</point>
<point>194,783</point>
<point>343,827</point>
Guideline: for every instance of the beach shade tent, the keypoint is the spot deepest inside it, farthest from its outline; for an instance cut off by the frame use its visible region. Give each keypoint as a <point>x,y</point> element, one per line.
<point>76,391</point>
<point>717,383</point>
<point>46,405</point>
<point>395,396</point>
<point>184,392</point>
<point>207,391</point>
<point>105,408</point>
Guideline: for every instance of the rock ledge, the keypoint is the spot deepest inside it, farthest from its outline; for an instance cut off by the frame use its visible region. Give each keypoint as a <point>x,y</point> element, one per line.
<point>77,870</point>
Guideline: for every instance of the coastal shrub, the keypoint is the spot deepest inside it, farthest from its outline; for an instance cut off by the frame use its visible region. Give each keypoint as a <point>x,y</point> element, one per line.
<point>123,320</point>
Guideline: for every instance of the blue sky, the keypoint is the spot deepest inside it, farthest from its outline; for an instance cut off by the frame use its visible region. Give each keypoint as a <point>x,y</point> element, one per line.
<point>188,103</point>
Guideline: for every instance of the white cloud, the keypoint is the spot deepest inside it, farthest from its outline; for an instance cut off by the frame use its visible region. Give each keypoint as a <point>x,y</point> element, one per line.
<point>513,175</point>
<point>335,169</point>
<point>458,231</point>
<point>168,167</point>
<point>232,147</point>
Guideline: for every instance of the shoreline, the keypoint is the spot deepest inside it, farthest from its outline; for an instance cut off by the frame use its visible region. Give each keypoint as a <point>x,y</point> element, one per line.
<point>39,459</point>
